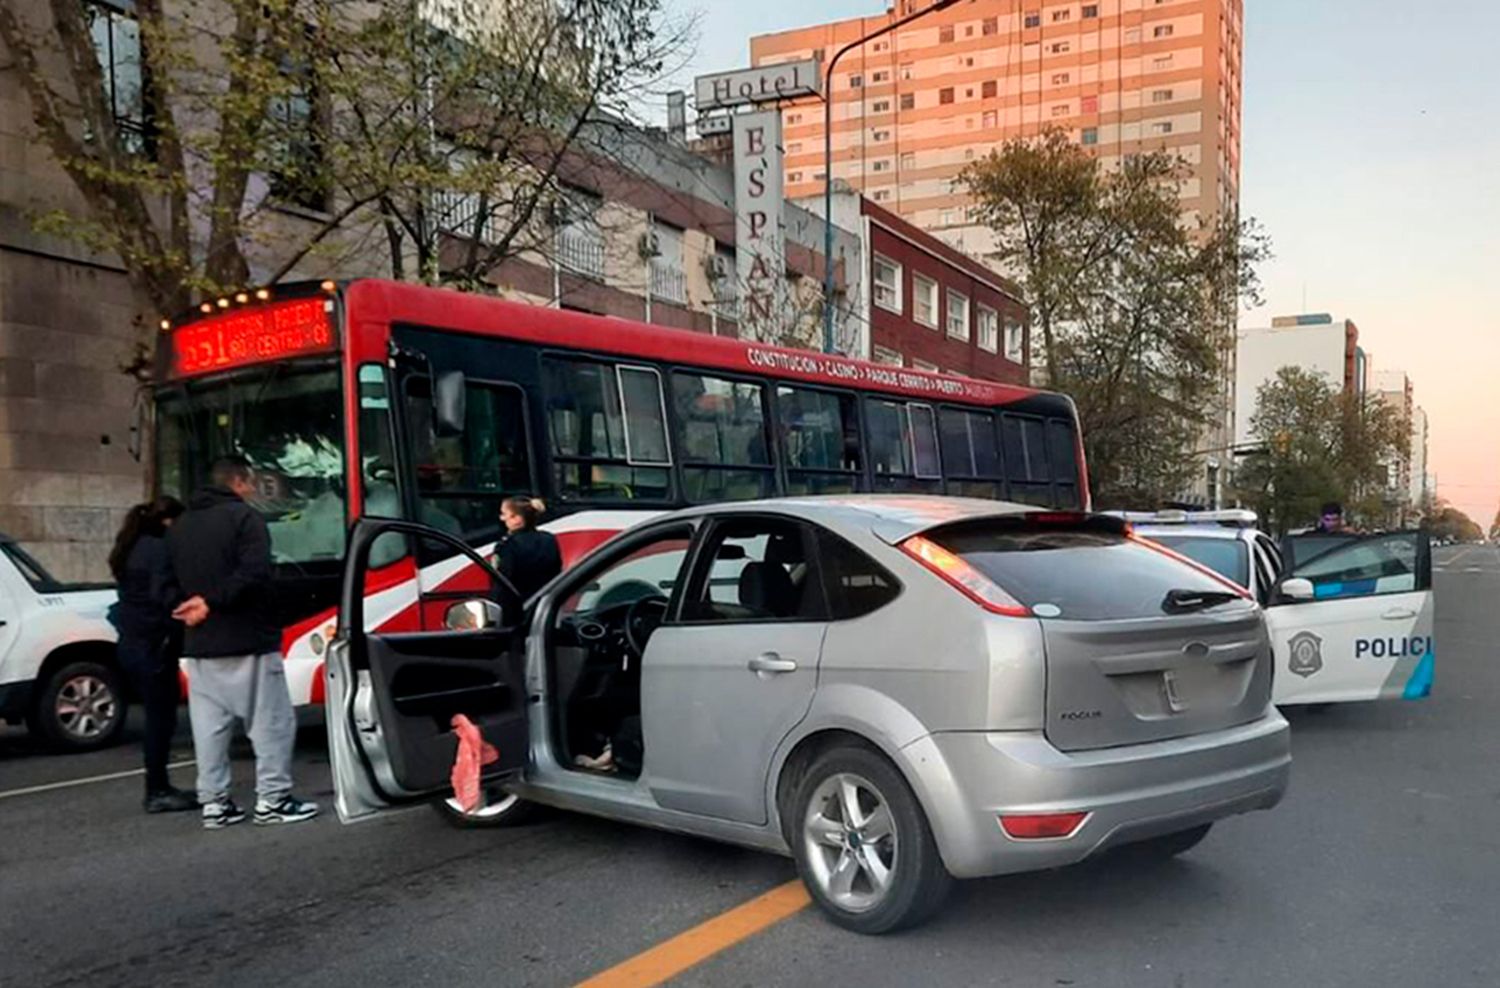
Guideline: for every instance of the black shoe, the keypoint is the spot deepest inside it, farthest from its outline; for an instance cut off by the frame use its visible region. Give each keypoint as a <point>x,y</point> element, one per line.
<point>170,800</point>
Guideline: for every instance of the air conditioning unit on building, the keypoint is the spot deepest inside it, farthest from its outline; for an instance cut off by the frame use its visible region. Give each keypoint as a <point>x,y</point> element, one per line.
<point>649,246</point>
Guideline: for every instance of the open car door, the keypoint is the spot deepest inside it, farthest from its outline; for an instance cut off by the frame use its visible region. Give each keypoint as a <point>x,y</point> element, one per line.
<point>392,695</point>
<point>1354,620</point>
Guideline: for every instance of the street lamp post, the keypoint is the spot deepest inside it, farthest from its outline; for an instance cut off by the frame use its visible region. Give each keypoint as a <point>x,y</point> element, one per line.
<point>828,157</point>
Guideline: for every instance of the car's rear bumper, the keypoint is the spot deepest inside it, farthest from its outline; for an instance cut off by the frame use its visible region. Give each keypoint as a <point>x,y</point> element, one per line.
<point>967,780</point>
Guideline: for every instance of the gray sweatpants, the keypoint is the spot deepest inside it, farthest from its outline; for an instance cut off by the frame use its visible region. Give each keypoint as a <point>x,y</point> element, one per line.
<point>248,688</point>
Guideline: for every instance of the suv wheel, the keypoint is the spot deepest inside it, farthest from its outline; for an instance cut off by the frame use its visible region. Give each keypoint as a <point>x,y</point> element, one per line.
<point>862,843</point>
<point>80,707</point>
<point>500,809</point>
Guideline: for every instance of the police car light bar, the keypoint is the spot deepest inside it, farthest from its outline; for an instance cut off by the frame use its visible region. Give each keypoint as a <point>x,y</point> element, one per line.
<point>1230,516</point>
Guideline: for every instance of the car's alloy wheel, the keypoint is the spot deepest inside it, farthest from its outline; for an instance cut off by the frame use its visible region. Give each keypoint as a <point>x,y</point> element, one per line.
<point>851,842</point>
<point>862,842</point>
<point>80,707</point>
<point>500,809</point>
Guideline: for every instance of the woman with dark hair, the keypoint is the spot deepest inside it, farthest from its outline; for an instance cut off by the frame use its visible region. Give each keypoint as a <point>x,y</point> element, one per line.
<point>526,556</point>
<point>150,640</point>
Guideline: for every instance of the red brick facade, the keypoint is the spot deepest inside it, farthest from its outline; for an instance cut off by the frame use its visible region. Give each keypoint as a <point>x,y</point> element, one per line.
<point>895,326</point>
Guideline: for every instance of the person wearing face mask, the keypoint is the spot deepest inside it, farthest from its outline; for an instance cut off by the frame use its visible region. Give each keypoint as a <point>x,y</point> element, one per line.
<point>526,556</point>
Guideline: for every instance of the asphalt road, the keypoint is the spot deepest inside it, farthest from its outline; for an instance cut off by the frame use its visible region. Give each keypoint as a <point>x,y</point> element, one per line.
<point>1382,867</point>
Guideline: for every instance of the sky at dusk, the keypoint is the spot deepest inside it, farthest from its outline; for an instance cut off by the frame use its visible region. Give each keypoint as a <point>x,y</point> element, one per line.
<point>1371,153</point>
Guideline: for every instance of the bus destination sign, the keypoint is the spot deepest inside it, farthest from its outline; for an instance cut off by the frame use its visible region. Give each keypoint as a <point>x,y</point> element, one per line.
<point>253,336</point>
<point>842,370</point>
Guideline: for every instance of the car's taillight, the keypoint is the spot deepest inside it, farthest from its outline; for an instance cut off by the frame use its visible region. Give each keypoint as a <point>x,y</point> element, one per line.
<point>964,577</point>
<point>1041,826</point>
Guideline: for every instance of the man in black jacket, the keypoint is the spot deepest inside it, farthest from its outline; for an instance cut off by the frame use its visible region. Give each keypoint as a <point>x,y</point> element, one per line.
<point>221,551</point>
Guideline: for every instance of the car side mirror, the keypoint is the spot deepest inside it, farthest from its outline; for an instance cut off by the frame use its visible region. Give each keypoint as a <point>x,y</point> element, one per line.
<point>473,615</point>
<point>1297,589</point>
<point>449,404</point>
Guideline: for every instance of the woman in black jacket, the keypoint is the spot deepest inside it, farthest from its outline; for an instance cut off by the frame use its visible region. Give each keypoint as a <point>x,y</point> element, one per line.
<point>527,556</point>
<point>149,639</point>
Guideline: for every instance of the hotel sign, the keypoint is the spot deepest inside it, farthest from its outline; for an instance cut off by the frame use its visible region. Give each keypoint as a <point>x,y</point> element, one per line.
<point>760,237</point>
<point>765,84</point>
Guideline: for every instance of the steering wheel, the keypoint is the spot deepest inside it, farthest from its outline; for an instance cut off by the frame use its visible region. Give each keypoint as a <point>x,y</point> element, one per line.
<point>641,619</point>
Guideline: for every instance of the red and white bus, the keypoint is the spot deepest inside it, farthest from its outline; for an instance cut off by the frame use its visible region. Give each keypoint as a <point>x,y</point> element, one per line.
<point>395,400</point>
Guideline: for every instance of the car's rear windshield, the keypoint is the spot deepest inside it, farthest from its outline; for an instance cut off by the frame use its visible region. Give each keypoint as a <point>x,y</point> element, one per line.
<point>1072,574</point>
<point>1230,558</point>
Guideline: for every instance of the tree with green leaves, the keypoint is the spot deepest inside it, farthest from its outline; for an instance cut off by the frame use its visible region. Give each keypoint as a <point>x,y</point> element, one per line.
<point>220,142</point>
<point>1320,443</point>
<point>1448,522</point>
<point>1133,304</point>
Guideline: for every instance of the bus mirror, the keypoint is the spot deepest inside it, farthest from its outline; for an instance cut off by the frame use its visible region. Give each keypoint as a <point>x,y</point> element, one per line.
<point>448,404</point>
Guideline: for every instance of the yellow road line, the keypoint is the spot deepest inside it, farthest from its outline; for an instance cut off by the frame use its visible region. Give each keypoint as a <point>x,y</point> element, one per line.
<point>670,958</point>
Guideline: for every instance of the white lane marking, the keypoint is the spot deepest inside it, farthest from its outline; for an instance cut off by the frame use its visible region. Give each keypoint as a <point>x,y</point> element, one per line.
<point>31,790</point>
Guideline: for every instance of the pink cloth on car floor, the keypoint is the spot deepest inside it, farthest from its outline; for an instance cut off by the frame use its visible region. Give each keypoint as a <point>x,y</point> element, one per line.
<point>474,752</point>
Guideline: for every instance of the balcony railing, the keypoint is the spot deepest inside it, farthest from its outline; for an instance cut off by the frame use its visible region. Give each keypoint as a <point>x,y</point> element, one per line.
<point>457,212</point>
<point>581,251</point>
<point>668,281</point>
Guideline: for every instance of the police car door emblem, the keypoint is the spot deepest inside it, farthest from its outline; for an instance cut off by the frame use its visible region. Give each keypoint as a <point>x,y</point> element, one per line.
<point>1306,654</point>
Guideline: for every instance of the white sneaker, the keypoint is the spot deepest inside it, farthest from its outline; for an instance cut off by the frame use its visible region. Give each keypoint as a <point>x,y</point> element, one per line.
<point>221,813</point>
<point>287,809</point>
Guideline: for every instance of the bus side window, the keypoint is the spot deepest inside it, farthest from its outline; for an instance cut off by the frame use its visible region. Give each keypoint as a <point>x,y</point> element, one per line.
<point>724,439</point>
<point>903,446</point>
<point>607,427</point>
<point>971,453</point>
<point>460,480</point>
<point>820,440</point>
<point>1026,465</point>
<point>1062,447</point>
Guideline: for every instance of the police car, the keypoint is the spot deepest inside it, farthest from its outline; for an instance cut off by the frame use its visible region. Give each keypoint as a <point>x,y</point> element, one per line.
<point>1351,616</point>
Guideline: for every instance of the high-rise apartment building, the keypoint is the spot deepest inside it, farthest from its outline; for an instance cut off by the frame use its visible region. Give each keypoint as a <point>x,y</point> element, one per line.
<point>912,108</point>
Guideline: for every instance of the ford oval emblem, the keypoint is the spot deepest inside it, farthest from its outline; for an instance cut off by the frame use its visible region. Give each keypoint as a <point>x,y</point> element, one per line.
<point>1195,650</point>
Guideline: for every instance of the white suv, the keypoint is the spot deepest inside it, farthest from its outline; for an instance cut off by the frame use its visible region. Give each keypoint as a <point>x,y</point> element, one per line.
<point>1351,615</point>
<point>57,655</point>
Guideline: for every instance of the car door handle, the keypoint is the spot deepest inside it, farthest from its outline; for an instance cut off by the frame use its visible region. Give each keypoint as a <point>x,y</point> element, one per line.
<point>770,662</point>
<point>1399,614</point>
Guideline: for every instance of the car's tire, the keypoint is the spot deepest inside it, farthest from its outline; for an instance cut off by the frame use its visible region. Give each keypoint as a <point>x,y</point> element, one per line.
<point>1168,845</point>
<point>501,809</point>
<point>898,879</point>
<point>80,706</point>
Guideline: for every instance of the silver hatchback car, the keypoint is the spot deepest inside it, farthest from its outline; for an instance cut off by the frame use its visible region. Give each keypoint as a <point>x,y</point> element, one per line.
<point>894,690</point>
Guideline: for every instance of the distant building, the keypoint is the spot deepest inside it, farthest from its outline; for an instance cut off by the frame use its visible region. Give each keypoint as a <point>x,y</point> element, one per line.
<point>1419,489</point>
<point>1393,388</point>
<point>1314,342</point>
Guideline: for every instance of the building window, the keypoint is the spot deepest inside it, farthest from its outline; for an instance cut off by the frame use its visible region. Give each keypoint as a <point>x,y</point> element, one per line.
<point>1060,78</point>
<point>1090,136</point>
<point>958,315</point>
<point>881,135</point>
<point>1089,104</point>
<point>1161,62</point>
<point>296,140</point>
<point>889,357</point>
<point>990,25</point>
<point>989,328</point>
<point>794,148</point>
<point>117,43</point>
<point>886,275</point>
<point>1133,36</point>
<point>1015,340</point>
<point>946,217</point>
<point>924,300</point>
<point>881,106</point>
<point>908,160</point>
<point>990,89</point>
<point>945,96</point>
<point>907,71</point>
<point>1090,11</point>
<point>882,76</point>
<point>991,120</point>
<point>924,365</point>
<point>1033,19</point>
<point>908,101</point>
<point>880,165</point>
<point>856,81</point>
<point>882,46</point>
<point>1161,95</point>
<point>969,31</point>
<point>1061,47</point>
<point>793,118</point>
<point>1165,127</point>
<point>1060,110</point>
<point>880,195</point>
<point>1161,31</point>
<point>945,34</point>
<point>1058,16</point>
<point>794,177</point>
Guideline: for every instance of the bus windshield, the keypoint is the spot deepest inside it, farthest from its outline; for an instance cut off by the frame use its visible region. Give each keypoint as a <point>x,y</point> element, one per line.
<point>287,421</point>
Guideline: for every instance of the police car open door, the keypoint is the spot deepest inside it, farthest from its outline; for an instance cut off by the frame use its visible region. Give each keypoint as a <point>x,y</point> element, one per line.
<point>446,640</point>
<point>1354,621</point>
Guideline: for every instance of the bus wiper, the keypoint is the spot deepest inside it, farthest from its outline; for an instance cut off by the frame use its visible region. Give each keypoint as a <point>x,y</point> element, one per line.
<point>1187,601</point>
